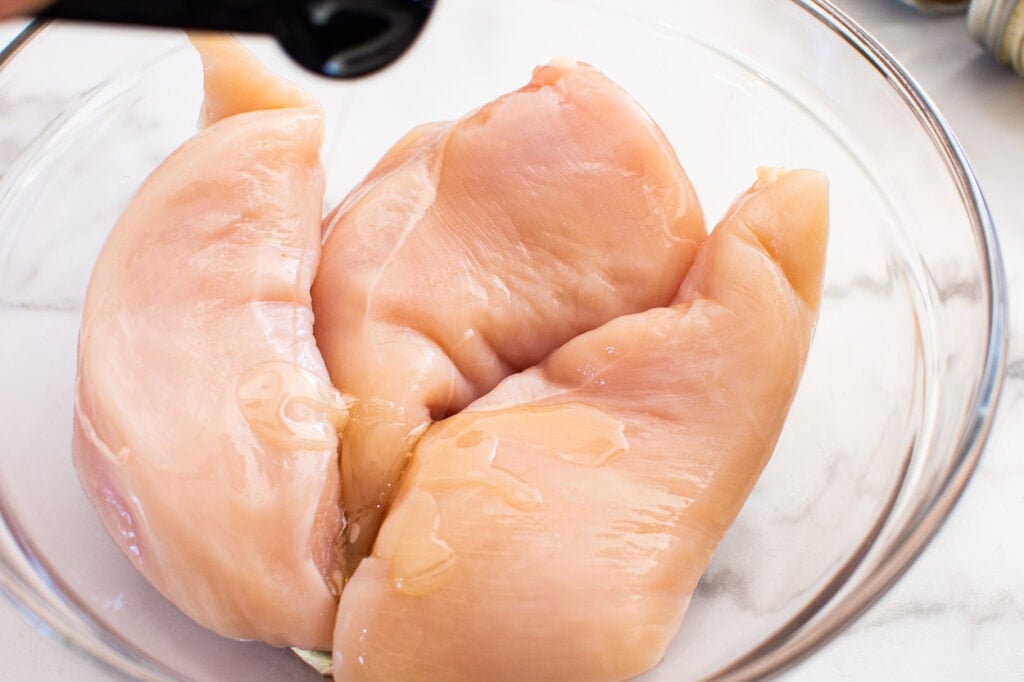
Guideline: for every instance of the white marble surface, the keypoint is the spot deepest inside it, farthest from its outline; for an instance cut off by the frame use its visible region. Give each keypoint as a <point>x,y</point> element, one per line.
<point>958,614</point>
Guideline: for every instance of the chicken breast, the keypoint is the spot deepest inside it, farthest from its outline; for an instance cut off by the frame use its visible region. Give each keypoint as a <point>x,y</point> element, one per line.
<point>205,422</point>
<point>477,247</point>
<point>556,528</point>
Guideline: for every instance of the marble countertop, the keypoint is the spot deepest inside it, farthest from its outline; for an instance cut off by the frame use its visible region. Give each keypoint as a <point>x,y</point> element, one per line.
<point>958,613</point>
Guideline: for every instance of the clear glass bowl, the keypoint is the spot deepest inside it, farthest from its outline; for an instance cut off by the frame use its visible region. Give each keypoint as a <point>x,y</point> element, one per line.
<point>890,418</point>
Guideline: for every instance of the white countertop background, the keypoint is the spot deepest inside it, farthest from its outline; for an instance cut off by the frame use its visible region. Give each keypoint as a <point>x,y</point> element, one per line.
<point>958,614</point>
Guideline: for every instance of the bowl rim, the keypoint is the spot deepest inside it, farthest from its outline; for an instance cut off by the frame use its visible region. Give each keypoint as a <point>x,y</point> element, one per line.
<point>793,643</point>
<point>930,515</point>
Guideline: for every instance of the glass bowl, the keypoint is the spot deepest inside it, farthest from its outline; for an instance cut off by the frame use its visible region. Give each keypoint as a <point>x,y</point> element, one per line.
<point>888,423</point>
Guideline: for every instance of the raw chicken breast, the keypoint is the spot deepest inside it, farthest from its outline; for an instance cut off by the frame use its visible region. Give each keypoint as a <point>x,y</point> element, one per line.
<point>205,421</point>
<point>475,248</point>
<point>556,528</point>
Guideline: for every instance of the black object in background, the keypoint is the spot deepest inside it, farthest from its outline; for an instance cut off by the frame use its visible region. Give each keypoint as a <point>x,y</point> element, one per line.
<point>335,38</point>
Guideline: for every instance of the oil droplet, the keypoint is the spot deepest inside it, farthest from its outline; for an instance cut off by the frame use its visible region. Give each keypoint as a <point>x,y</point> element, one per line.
<point>463,453</point>
<point>336,582</point>
<point>469,439</point>
<point>577,433</point>
<point>574,432</point>
<point>420,561</point>
<point>291,407</point>
<point>469,463</point>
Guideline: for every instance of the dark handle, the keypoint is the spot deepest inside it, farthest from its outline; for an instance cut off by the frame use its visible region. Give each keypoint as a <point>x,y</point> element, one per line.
<point>336,38</point>
<point>240,16</point>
